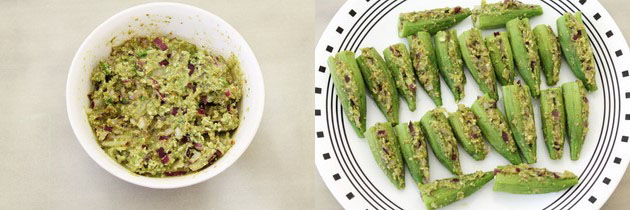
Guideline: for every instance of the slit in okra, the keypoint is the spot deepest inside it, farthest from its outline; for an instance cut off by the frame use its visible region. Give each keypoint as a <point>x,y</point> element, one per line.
<point>495,128</point>
<point>443,192</point>
<point>523,179</point>
<point>413,145</point>
<point>525,51</point>
<point>467,132</point>
<point>379,82</point>
<point>431,21</point>
<point>386,151</point>
<point>350,88</point>
<point>495,15</point>
<point>442,139</point>
<point>449,60</point>
<point>500,52</point>
<point>520,116</point>
<point>576,107</point>
<point>425,63</point>
<point>576,48</point>
<point>549,51</point>
<point>399,63</point>
<point>477,59</point>
<point>553,121</point>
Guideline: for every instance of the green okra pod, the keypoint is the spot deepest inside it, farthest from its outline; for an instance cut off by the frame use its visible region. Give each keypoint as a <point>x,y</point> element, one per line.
<point>380,83</point>
<point>576,107</point>
<point>414,150</point>
<point>442,139</point>
<point>386,151</point>
<point>495,128</point>
<point>431,21</point>
<point>399,63</point>
<point>350,88</point>
<point>576,48</point>
<point>553,121</point>
<point>449,59</point>
<point>443,192</point>
<point>477,59</point>
<point>523,179</point>
<point>520,116</point>
<point>425,64</point>
<point>491,16</point>
<point>467,132</point>
<point>500,51</point>
<point>549,51</point>
<point>525,51</point>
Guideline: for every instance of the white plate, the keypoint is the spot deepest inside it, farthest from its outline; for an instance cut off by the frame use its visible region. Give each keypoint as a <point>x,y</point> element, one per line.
<point>353,177</point>
<point>192,24</point>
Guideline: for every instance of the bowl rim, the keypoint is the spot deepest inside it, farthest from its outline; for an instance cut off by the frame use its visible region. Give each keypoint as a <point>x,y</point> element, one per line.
<point>180,181</point>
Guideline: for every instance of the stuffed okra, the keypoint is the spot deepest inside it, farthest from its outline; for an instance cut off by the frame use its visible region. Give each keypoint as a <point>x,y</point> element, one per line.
<point>576,107</point>
<point>477,59</point>
<point>425,64</point>
<point>523,179</point>
<point>491,16</point>
<point>553,121</point>
<point>577,49</point>
<point>549,51</point>
<point>350,88</point>
<point>399,63</point>
<point>431,21</point>
<point>500,51</point>
<point>386,151</point>
<point>379,82</point>
<point>495,128</point>
<point>442,139</point>
<point>467,132</point>
<point>443,192</point>
<point>525,52</point>
<point>414,150</point>
<point>520,116</point>
<point>449,59</point>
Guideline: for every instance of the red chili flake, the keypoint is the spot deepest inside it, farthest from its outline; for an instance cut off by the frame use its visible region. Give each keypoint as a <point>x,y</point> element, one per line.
<point>411,128</point>
<point>91,104</point>
<point>457,9</point>
<point>381,133</point>
<point>174,111</point>
<point>161,152</point>
<point>386,151</point>
<point>577,35</point>
<point>165,159</point>
<point>164,63</point>
<point>201,111</point>
<point>229,107</point>
<point>505,136</point>
<point>555,114</point>
<point>164,137</point>
<point>347,78</point>
<point>586,124</point>
<point>174,173</point>
<point>191,67</point>
<point>555,175</point>
<point>198,146</point>
<point>158,42</point>
<point>496,171</point>
<point>228,93</point>
<point>474,135</point>
<point>412,87</point>
<point>497,33</point>
<point>455,180</point>
<point>517,170</point>
<point>454,157</point>
<point>108,128</point>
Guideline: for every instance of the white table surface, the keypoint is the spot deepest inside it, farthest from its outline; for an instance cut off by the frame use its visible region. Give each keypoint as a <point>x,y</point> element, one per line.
<point>326,9</point>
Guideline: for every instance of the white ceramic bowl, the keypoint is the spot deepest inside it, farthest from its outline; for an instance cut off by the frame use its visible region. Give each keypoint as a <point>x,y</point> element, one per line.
<point>189,23</point>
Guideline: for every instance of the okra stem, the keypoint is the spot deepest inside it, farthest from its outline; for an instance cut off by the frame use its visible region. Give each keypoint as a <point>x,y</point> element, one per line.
<point>464,124</point>
<point>414,150</point>
<point>549,51</point>
<point>525,53</point>
<point>430,21</point>
<point>495,128</point>
<point>399,62</point>
<point>577,49</point>
<point>386,151</point>
<point>442,139</point>
<point>443,192</point>
<point>576,107</point>
<point>553,121</point>
<point>449,58</point>
<point>425,64</point>
<point>477,60</point>
<point>500,51</point>
<point>523,179</point>
<point>520,117</point>
<point>491,16</point>
<point>350,88</point>
<point>380,83</point>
